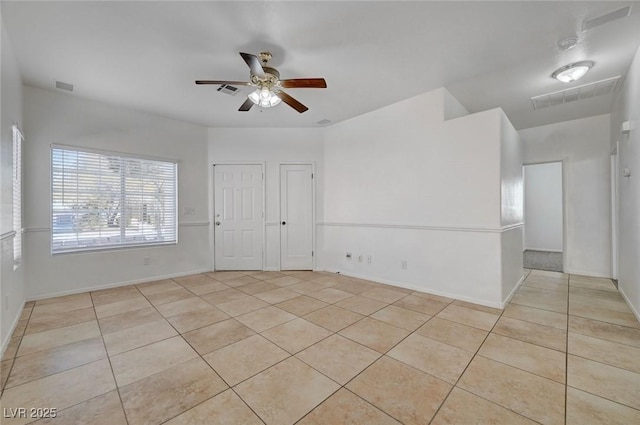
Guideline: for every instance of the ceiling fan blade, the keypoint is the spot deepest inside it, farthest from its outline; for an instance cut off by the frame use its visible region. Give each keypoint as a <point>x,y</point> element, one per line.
<point>254,64</point>
<point>291,102</point>
<point>220,82</point>
<point>298,83</point>
<point>246,105</point>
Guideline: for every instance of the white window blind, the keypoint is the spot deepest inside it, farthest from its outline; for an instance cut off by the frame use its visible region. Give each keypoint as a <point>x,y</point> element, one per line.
<point>107,200</point>
<point>17,196</point>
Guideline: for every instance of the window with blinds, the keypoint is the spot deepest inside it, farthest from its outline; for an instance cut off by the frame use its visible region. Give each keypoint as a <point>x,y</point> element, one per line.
<point>17,196</point>
<point>106,200</point>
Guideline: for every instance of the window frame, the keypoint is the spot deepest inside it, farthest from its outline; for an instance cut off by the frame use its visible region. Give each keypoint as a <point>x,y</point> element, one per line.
<point>121,245</point>
<point>16,186</point>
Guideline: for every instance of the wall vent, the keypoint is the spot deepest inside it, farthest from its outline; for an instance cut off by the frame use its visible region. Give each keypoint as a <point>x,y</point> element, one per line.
<point>586,91</point>
<point>64,86</point>
<point>227,89</point>
<point>606,18</point>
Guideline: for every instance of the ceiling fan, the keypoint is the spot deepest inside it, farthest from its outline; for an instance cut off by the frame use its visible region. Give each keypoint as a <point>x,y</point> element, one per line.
<point>268,84</point>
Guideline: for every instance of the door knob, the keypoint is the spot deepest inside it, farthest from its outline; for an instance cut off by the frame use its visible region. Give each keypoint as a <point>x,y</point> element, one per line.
<point>284,222</point>
<point>217,223</point>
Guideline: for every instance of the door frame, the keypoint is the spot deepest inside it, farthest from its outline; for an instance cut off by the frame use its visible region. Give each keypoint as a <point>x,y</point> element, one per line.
<point>565,205</point>
<point>212,215</point>
<point>313,210</point>
<point>615,207</point>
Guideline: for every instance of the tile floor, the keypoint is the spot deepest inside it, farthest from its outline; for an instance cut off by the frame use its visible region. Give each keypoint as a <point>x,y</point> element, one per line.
<point>317,348</point>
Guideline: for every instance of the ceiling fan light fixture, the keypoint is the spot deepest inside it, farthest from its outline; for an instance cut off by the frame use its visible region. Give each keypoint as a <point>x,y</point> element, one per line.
<point>573,71</point>
<point>264,97</point>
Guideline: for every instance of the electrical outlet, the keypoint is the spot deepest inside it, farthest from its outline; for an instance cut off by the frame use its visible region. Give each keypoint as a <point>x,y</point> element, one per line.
<point>147,261</point>
<point>349,256</point>
<point>369,259</point>
<point>404,264</point>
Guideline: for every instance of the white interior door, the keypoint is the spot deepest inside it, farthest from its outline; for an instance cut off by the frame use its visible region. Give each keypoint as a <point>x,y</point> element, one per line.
<point>238,221</point>
<point>296,217</point>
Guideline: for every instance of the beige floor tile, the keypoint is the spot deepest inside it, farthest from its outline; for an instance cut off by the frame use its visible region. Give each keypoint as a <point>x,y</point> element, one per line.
<point>164,395</point>
<point>240,280</point>
<point>466,316</point>
<point>157,286</point>
<point>218,335</point>
<point>452,333</point>
<point>546,273</point>
<point>346,408</point>
<point>268,275</point>
<point>142,362</point>
<point>191,320</point>
<point>536,315</point>
<point>129,319</point>
<point>138,336</point>
<point>296,335</point>
<point>384,294</point>
<point>277,295</point>
<point>241,306</point>
<point>79,384</point>
<point>533,358</point>
<point>183,306</point>
<point>105,409</point>
<point>339,358</point>
<point>63,304</point>
<point>619,385</point>
<point>550,302</point>
<point>537,398</point>
<point>112,295</point>
<point>169,296</point>
<point>478,307</point>
<point>47,321</point>
<point>401,317</point>
<point>257,287</point>
<point>44,363</point>
<point>584,408</point>
<point>353,286</point>
<point>284,281</point>
<point>133,303</point>
<point>192,279</point>
<point>243,359</point>
<point>333,318</point>
<point>57,337</point>
<point>410,396</point>
<point>266,318</point>
<point>546,280</point>
<point>462,407</point>
<point>435,297</point>
<point>27,310</point>
<point>291,385</point>
<point>614,317</point>
<point>559,293</point>
<point>301,274</point>
<point>330,295</point>
<point>612,353</point>
<point>589,282</point>
<point>595,293</point>
<point>21,327</point>
<point>435,358</point>
<point>375,334</point>
<point>207,288</point>
<point>301,305</point>
<point>545,336</point>
<point>223,296</point>
<point>309,286</point>
<point>361,305</point>
<point>225,275</point>
<point>608,331</point>
<point>224,409</point>
<point>5,368</point>
<point>421,304</point>
<point>606,304</point>
<point>12,348</point>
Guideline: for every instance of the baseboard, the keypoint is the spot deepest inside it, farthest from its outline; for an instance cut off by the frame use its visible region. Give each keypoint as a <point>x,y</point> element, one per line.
<point>631,306</point>
<point>271,269</point>
<point>5,342</point>
<point>113,285</point>
<point>543,250</point>
<point>514,290</point>
<point>416,288</point>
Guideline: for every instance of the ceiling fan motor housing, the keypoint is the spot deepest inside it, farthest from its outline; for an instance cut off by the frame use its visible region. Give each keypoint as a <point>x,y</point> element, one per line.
<point>270,80</point>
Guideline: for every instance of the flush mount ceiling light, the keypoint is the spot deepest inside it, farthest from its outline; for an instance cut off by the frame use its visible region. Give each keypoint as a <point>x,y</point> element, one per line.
<point>572,72</point>
<point>264,97</point>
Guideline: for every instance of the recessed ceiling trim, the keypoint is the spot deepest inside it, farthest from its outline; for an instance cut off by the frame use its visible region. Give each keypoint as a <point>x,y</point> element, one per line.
<point>574,94</point>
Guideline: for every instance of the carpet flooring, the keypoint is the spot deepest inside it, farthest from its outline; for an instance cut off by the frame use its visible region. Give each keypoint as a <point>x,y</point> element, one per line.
<point>543,260</point>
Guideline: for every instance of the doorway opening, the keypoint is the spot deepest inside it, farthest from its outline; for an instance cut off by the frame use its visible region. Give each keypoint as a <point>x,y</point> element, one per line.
<point>544,216</point>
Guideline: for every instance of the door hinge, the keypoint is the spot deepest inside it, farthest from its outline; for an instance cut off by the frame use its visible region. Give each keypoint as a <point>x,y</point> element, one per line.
<point>311,175</point>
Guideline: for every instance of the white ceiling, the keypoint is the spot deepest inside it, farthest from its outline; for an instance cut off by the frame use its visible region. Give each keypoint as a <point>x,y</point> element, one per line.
<point>146,55</point>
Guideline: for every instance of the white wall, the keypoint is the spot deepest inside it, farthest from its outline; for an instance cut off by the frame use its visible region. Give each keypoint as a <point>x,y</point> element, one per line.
<point>271,147</point>
<point>12,293</point>
<point>627,108</point>
<point>56,118</point>
<point>543,207</point>
<point>401,183</point>
<point>583,144</point>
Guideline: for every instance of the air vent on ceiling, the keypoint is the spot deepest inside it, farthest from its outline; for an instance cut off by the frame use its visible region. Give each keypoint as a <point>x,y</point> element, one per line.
<point>606,18</point>
<point>324,121</point>
<point>586,91</point>
<point>227,89</point>
<point>64,86</point>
